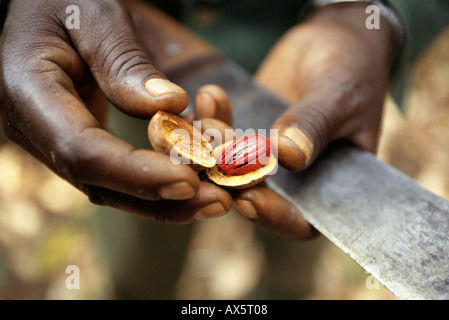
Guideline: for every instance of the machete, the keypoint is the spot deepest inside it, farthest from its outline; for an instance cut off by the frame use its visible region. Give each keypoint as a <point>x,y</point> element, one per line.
<point>394,228</point>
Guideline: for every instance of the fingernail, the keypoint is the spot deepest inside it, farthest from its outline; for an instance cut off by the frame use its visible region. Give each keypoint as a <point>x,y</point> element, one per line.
<point>246,208</point>
<point>301,140</point>
<point>158,87</point>
<point>177,191</point>
<point>211,211</point>
<point>206,104</point>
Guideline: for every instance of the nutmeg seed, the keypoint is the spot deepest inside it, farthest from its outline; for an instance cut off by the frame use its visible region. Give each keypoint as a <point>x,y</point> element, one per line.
<point>247,154</point>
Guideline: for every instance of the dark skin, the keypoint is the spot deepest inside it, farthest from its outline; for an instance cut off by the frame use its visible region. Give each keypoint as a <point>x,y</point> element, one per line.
<point>54,85</point>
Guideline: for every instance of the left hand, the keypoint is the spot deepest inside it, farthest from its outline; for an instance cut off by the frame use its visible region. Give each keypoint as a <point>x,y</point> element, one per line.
<point>53,87</point>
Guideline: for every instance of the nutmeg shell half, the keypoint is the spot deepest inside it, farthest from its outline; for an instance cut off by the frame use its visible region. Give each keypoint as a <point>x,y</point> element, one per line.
<point>170,134</point>
<point>244,181</point>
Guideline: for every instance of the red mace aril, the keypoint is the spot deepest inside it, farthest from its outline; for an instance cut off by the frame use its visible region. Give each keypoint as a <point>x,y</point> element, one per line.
<point>246,154</point>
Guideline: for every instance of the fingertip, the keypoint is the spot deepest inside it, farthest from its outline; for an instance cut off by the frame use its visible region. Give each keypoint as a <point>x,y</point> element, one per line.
<point>205,105</point>
<point>177,191</point>
<point>290,156</point>
<point>177,181</point>
<point>218,193</point>
<point>216,131</point>
<point>210,211</point>
<point>211,101</point>
<point>295,149</point>
<point>246,209</point>
<point>168,95</point>
<point>160,87</point>
<point>213,202</point>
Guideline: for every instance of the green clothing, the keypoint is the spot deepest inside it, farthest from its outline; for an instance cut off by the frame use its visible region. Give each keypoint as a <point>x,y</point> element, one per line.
<point>245,30</point>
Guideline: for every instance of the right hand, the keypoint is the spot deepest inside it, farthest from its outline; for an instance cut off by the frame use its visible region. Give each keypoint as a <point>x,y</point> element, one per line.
<point>260,204</point>
<point>54,84</point>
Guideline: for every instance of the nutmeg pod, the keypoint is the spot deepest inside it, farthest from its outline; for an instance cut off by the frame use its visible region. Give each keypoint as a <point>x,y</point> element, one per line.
<point>248,160</point>
<point>246,154</point>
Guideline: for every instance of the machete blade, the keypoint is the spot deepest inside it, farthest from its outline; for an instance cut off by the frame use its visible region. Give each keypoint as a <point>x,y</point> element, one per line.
<point>395,229</point>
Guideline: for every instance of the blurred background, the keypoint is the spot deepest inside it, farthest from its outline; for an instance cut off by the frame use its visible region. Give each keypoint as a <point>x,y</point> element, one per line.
<point>45,224</point>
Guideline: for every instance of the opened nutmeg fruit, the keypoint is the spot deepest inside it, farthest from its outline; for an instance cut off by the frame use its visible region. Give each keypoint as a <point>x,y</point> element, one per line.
<point>236,164</point>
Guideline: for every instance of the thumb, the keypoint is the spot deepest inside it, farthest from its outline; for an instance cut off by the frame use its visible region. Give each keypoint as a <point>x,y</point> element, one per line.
<point>310,124</point>
<point>107,42</point>
<point>301,133</point>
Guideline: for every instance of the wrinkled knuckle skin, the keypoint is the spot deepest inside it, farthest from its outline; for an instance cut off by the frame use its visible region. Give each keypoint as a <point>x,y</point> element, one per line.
<point>66,161</point>
<point>115,52</point>
<point>92,194</point>
<point>127,61</point>
<point>120,58</point>
<point>168,217</point>
<point>8,131</point>
<point>322,124</point>
<point>317,123</point>
<point>16,136</point>
<point>7,113</point>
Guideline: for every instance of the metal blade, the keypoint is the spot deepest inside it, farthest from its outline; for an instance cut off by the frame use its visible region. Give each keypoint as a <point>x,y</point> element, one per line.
<point>395,229</point>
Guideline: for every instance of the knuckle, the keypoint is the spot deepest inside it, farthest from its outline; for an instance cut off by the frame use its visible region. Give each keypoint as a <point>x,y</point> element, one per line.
<point>322,124</point>
<point>92,193</point>
<point>66,159</point>
<point>9,132</point>
<point>315,121</point>
<point>129,61</point>
<point>93,196</point>
<point>120,56</point>
<point>182,216</point>
<point>14,135</point>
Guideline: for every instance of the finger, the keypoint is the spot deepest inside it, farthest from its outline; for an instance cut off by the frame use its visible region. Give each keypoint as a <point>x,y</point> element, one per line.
<point>269,210</point>
<point>101,159</point>
<point>95,101</point>
<point>209,202</point>
<point>215,131</point>
<point>211,101</point>
<point>53,119</point>
<point>15,136</point>
<point>214,114</point>
<point>189,117</point>
<point>125,73</point>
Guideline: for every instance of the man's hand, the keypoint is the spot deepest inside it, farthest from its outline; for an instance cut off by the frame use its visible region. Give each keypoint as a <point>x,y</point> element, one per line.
<point>334,72</point>
<point>54,84</point>
<point>260,204</point>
